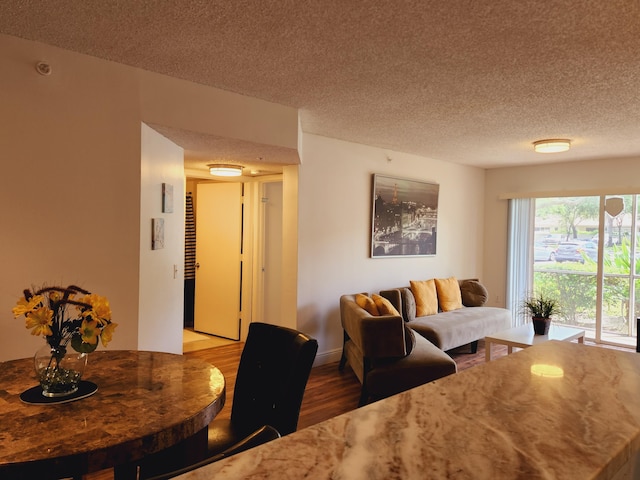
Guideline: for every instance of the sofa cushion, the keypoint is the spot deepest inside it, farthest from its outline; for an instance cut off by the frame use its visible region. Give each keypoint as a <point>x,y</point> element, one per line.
<point>426,297</point>
<point>384,306</point>
<point>449,297</point>
<point>409,339</point>
<point>408,304</point>
<point>448,330</point>
<point>473,293</point>
<point>366,302</point>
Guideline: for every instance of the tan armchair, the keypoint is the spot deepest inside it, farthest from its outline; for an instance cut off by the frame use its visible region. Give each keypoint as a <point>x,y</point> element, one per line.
<point>386,355</point>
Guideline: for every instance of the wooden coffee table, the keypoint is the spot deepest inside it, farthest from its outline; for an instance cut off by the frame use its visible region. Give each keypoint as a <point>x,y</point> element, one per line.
<point>523,337</point>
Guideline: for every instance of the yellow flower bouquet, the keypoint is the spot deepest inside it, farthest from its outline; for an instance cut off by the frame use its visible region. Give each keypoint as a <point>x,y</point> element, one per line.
<point>65,316</point>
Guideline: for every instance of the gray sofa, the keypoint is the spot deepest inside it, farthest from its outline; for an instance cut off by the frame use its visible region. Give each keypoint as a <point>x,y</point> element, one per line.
<point>386,356</point>
<point>449,330</point>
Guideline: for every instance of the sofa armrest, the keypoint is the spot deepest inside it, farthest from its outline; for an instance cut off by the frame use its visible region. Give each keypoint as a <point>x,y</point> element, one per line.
<point>377,336</point>
<point>403,300</point>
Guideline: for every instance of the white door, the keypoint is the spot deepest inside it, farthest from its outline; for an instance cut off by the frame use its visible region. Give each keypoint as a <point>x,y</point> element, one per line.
<point>219,259</point>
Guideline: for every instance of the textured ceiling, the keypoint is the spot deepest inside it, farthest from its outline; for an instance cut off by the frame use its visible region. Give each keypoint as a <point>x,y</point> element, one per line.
<point>467,81</point>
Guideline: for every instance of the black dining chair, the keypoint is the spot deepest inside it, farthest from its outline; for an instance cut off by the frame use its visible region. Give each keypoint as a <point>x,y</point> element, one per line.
<point>272,377</point>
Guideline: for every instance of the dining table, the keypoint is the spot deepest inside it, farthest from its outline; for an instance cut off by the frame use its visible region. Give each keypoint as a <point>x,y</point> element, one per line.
<point>144,402</point>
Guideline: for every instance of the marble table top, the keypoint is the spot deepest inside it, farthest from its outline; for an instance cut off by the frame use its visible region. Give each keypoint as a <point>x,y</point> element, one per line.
<point>146,401</point>
<point>557,410</point>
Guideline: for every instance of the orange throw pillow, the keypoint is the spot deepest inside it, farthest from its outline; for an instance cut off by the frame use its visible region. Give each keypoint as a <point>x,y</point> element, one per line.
<point>367,303</point>
<point>426,297</point>
<point>385,307</point>
<point>449,296</point>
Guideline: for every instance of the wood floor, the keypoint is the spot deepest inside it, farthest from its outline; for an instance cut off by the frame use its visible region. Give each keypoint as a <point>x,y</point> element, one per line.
<point>329,392</point>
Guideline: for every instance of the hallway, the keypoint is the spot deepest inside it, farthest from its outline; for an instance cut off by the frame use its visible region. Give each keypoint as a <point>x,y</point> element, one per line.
<point>193,341</point>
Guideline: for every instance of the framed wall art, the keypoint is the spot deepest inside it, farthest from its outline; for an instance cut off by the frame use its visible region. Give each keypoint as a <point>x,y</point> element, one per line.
<point>167,198</point>
<point>157,233</point>
<point>404,217</point>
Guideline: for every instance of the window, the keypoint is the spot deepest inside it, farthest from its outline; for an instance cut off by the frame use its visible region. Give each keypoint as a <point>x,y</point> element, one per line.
<point>585,252</point>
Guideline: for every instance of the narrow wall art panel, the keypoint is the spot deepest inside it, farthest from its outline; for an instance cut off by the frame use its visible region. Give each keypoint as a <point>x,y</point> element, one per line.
<point>157,233</point>
<point>167,198</point>
<point>404,217</point>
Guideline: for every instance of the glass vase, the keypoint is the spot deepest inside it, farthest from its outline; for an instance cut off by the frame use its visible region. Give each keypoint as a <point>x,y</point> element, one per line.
<point>59,370</point>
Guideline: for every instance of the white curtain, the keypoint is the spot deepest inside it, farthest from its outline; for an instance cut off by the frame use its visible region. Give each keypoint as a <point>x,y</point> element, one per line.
<point>519,265</point>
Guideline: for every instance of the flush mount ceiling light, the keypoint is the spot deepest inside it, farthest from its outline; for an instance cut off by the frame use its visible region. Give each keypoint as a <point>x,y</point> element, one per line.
<point>553,145</point>
<point>225,170</point>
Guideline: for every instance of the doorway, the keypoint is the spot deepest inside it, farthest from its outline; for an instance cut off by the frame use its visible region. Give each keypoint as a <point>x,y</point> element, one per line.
<point>254,250</point>
<point>193,341</point>
<point>219,259</point>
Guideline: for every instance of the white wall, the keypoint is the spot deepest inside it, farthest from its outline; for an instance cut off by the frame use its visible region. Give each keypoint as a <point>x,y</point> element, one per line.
<point>161,289</point>
<point>198,108</point>
<point>572,178</point>
<point>335,227</point>
<point>273,259</point>
<point>290,256</point>
<point>71,186</point>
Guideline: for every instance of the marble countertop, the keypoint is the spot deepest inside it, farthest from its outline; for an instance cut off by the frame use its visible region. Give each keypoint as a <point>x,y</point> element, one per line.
<point>558,410</point>
<point>146,401</point>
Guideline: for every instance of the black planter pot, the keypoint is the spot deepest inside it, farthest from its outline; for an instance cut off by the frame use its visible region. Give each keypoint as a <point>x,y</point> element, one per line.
<point>541,325</point>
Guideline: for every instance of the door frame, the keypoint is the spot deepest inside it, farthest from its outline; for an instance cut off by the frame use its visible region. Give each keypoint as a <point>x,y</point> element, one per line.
<point>253,248</point>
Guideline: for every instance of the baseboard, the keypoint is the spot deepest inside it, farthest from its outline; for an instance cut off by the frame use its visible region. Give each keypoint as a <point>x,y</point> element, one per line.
<point>327,357</point>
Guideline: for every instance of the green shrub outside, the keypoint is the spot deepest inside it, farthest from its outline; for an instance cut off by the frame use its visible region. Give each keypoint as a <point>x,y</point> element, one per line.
<point>574,284</point>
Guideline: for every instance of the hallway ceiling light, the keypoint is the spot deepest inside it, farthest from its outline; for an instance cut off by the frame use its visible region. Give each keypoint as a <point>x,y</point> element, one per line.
<point>553,145</point>
<point>225,170</point>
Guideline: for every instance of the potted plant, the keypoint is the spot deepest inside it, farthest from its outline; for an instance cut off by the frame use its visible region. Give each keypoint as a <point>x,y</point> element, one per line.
<point>541,308</point>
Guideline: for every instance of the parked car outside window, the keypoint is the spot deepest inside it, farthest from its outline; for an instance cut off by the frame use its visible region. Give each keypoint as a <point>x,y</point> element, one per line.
<point>576,251</point>
<point>543,253</point>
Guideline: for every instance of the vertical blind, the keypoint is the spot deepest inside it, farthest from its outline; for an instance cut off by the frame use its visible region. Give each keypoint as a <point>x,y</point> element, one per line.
<point>189,241</point>
<point>519,268</point>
